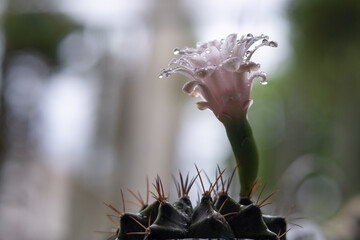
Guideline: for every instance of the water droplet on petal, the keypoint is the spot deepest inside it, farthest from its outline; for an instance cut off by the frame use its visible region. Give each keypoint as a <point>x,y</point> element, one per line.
<point>265,41</point>
<point>161,76</point>
<point>204,72</point>
<point>207,51</point>
<point>264,36</point>
<point>273,44</point>
<point>249,35</point>
<point>222,40</point>
<point>173,61</point>
<point>231,64</point>
<point>176,51</point>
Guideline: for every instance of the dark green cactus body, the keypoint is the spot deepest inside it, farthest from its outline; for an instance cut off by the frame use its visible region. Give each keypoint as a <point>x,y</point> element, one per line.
<point>185,207</point>
<point>276,224</point>
<point>169,224</point>
<point>245,201</point>
<point>129,225</point>
<point>229,206</point>
<point>207,223</point>
<point>225,218</point>
<point>248,223</point>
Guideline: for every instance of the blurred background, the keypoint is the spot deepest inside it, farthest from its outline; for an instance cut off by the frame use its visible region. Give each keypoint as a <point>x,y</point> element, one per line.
<point>84,114</point>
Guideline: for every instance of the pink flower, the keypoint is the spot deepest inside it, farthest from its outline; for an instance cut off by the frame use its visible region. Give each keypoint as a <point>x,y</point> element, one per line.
<point>222,73</point>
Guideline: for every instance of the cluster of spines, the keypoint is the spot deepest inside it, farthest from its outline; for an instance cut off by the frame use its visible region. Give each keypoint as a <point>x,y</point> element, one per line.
<point>213,217</point>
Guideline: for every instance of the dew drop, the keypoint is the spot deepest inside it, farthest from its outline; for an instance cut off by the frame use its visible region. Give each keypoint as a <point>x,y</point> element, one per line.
<point>273,44</point>
<point>176,51</point>
<point>161,76</point>
<point>264,36</point>
<point>264,82</point>
<point>222,40</point>
<point>207,51</point>
<point>265,41</point>
<point>249,35</point>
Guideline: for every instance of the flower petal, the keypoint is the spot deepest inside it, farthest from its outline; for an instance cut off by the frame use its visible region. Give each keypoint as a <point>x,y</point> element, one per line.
<point>204,72</point>
<point>247,104</point>
<point>183,71</point>
<point>203,105</point>
<point>189,87</point>
<point>231,64</point>
<point>195,60</point>
<point>250,67</point>
<point>261,75</point>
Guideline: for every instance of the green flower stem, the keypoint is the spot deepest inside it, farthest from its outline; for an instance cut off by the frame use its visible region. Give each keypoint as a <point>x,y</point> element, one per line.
<point>243,144</point>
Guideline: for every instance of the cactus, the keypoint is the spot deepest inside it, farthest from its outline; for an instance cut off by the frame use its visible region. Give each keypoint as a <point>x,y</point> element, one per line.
<point>217,215</point>
<point>222,74</point>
